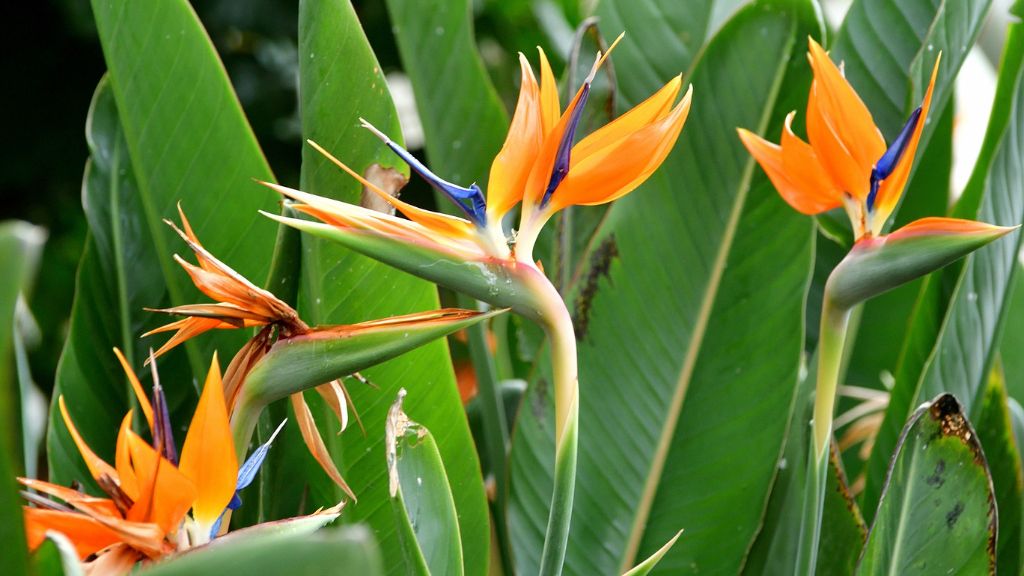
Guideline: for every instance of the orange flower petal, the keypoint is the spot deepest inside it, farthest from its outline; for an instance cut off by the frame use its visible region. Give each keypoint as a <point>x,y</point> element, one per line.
<point>87,535</point>
<point>97,467</point>
<point>891,188</point>
<point>208,457</point>
<point>843,125</point>
<point>315,443</point>
<point>947,226</point>
<point>117,560</point>
<point>511,167</point>
<point>654,108</point>
<point>140,394</point>
<point>165,494</point>
<point>615,171</point>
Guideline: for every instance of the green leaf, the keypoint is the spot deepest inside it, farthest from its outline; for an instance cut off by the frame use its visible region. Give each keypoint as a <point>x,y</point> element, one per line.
<point>959,357</point>
<point>420,497</point>
<point>20,245</point>
<point>1012,342</point>
<point>654,369</point>
<point>843,531</point>
<point>936,514</point>
<point>995,432</point>
<point>340,81</point>
<point>351,549</point>
<point>172,132</point>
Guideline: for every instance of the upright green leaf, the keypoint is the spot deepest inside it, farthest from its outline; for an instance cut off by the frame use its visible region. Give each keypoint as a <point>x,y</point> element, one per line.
<point>665,310</point>
<point>340,81</point>
<point>176,134</point>
<point>20,244</point>
<point>937,513</point>
<point>889,49</point>
<point>1011,345</point>
<point>967,338</point>
<point>995,432</point>
<point>350,549</point>
<point>420,496</point>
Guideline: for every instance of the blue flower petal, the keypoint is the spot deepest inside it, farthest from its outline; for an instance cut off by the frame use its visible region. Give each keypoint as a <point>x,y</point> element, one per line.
<point>887,163</point>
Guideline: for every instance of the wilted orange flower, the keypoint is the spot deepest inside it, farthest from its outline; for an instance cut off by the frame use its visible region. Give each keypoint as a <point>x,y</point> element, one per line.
<point>150,492</point>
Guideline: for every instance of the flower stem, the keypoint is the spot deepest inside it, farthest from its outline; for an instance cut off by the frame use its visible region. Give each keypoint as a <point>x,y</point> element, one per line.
<point>554,317</point>
<point>831,342</point>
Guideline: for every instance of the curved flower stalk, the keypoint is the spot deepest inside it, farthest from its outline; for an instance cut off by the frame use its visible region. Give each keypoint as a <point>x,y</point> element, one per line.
<point>540,168</point>
<point>254,378</point>
<point>847,163</point>
<point>157,504</point>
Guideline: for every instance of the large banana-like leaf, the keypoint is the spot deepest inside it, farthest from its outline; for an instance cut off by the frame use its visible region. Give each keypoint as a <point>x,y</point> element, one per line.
<point>350,550</point>
<point>165,127</point>
<point>672,367</point>
<point>966,340</point>
<point>20,244</point>
<point>937,514</point>
<point>340,81</point>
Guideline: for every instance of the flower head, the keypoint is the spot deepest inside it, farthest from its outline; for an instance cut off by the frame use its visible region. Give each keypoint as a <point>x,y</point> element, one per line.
<point>846,162</point>
<point>538,166</point>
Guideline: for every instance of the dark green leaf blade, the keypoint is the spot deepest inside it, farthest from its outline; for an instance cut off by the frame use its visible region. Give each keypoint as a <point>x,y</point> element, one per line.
<point>654,369</point>
<point>966,341</point>
<point>340,81</point>
<point>995,432</point>
<point>937,512</point>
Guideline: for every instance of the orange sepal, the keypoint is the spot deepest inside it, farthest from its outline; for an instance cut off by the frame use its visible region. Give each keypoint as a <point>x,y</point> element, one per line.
<point>845,113</point>
<point>186,328</point>
<point>87,534</point>
<point>654,108</point>
<point>165,494</point>
<point>208,456</point>
<point>98,506</point>
<point>97,467</point>
<point>123,460</point>
<point>511,167</point>
<point>140,394</point>
<point>550,107</point>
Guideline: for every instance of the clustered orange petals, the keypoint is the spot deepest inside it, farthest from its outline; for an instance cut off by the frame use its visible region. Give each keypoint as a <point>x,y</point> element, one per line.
<point>240,303</point>
<point>148,495</point>
<point>837,165</point>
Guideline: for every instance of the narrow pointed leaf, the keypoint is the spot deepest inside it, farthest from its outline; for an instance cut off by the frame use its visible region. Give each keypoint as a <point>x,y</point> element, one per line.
<point>937,512</point>
<point>995,432</point>
<point>421,498</point>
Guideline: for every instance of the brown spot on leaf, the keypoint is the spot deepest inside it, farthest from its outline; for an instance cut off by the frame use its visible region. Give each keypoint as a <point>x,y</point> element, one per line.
<point>954,515</point>
<point>600,264</point>
<point>936,480</point>
<point>387,179</point>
